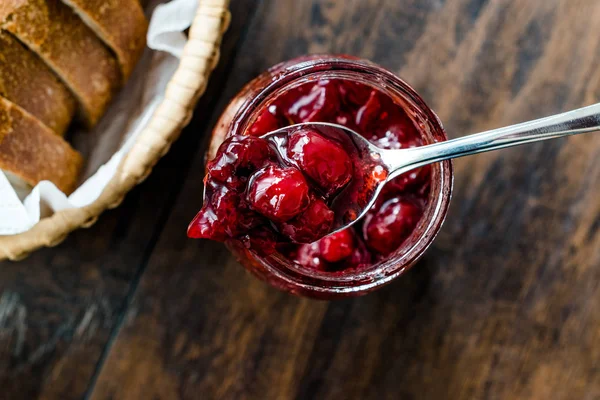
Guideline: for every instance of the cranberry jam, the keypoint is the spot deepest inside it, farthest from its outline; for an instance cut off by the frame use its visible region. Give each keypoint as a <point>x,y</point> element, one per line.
<point>270,204</point>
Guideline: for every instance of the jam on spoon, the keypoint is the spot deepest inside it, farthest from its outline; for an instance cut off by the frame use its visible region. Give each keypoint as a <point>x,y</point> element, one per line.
<point>289,178</point>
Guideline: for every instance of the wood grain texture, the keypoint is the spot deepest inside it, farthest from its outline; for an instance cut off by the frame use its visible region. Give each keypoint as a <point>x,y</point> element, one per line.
<point>504,305</point>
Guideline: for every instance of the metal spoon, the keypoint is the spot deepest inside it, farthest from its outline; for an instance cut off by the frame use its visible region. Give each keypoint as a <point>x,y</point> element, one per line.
<point>383,165</point>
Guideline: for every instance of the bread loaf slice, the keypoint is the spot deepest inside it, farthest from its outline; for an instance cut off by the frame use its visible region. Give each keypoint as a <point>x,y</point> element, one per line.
<point>120,24</point>
<point>30,151</point>
<point>59,37</point>
<point>26,81</point>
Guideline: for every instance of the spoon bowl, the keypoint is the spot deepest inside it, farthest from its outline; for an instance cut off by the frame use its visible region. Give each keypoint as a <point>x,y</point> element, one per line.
<point>369,174</point>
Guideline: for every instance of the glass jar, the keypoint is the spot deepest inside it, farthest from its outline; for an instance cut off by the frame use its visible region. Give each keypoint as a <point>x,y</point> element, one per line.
<point>281,272</point>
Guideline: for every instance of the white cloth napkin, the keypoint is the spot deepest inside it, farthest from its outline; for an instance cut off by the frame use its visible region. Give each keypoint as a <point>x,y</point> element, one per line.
<point>110,141</point>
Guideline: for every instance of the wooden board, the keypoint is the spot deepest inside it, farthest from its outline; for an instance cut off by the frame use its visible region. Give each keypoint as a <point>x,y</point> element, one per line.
<point>504,306</point>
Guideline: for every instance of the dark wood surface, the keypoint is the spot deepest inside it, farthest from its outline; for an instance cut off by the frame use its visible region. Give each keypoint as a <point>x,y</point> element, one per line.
<point>505,305</point>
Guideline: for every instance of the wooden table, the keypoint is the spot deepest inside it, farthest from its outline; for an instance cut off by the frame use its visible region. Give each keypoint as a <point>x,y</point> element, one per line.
<point>506,305</point>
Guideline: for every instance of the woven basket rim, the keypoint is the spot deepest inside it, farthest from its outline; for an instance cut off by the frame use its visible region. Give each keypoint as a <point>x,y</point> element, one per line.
<point>200,56</point>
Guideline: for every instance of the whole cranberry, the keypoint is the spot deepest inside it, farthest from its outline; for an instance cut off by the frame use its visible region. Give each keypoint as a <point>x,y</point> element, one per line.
<point>319,104</point>
<point>237,157</point>
<point>278,193</point>
<point>323,160</point>
<point>386,228</point>
<point>268,120</point>
<point>385,124</point>
<point>337,246</point>
<point>311,225</point>
<point>309,255</point>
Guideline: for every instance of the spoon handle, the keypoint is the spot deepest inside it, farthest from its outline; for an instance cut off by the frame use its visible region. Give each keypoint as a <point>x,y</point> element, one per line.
<point>582,120</point>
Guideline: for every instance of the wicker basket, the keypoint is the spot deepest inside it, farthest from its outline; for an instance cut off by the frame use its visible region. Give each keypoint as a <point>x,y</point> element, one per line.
<point>200,57</point>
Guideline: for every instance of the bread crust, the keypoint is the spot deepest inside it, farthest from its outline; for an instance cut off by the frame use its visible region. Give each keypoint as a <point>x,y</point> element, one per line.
<point>71,49</point>
<point>32,152</point>
<point>120,24</point>
<point>26,81</point>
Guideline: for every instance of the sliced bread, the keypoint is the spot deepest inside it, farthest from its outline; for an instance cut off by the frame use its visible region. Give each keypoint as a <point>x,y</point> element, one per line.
<point>30,151</point>
<point>71,49</point>
<point>120,24</point>
<point>26,81</point>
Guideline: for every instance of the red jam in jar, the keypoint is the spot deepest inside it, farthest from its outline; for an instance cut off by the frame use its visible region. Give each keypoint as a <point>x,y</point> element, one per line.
<point>273,209</point>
